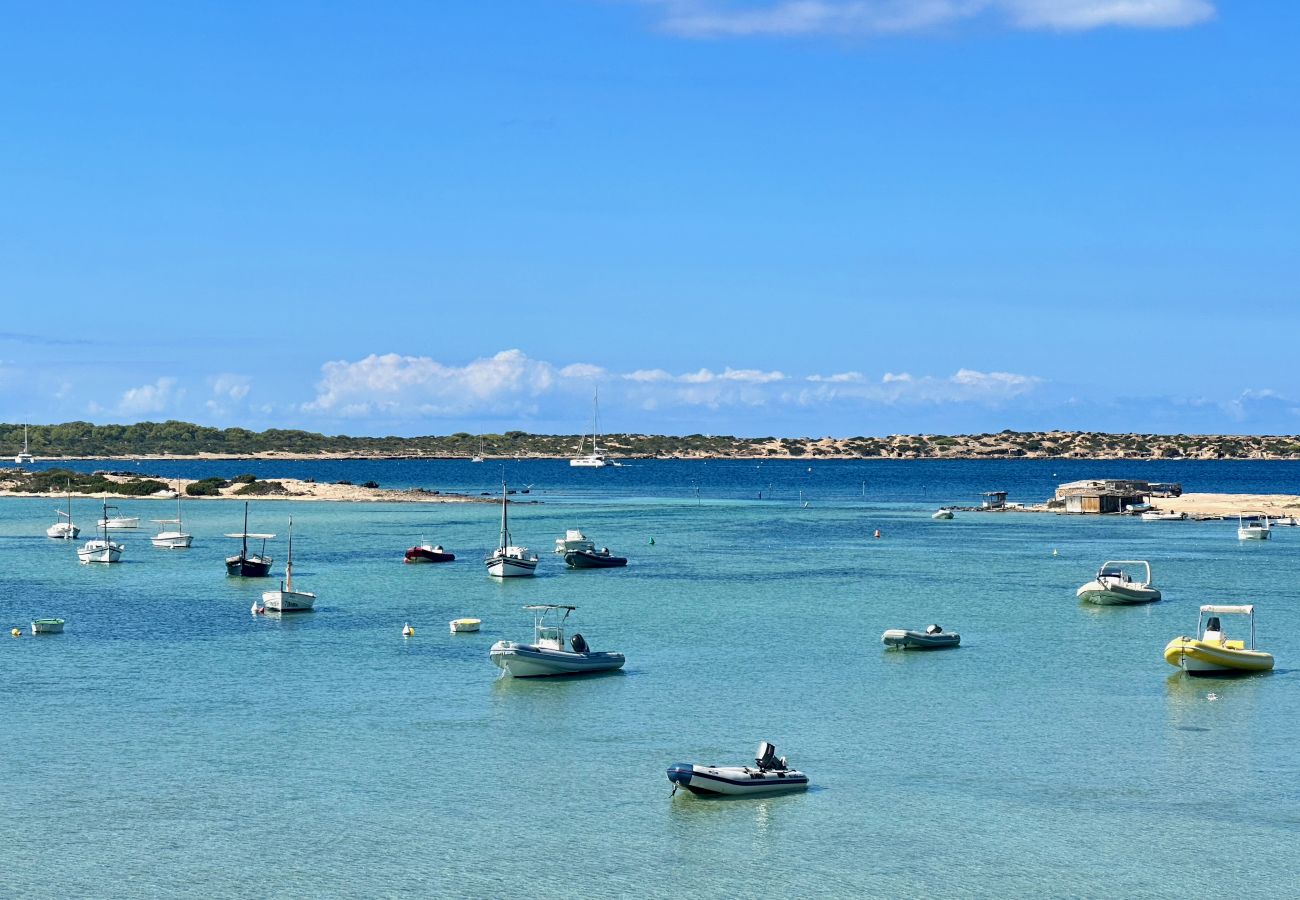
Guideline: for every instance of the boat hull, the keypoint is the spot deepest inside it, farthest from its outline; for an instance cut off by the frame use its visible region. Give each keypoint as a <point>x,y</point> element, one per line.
<point>248,566</point>
<point>172,540</point>
<point>501,566</point>
<point>1115,595</point>
<point>735,780</point>
<point>417,555</point>
<point>942,514</point>
<point>532,661</point>
<point>288,601</point>
<point>585,559</point>
<point>1197,657</point>
<point>47,626</point>
<point>903,639</point>
<point>120,522</point>
<point>1253,534</point>
<point>62,531</point>
<point>588,462</point>
<point>100,552</point>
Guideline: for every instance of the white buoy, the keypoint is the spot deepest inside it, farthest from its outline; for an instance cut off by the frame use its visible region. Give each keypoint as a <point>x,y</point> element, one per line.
<point>407,630</point>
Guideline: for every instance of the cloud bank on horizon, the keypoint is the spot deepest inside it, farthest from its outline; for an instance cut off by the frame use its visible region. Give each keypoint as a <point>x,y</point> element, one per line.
<point>719,18</point>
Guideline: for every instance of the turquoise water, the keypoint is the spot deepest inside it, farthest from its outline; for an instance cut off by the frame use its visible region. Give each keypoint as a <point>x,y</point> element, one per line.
<point>171,743</point>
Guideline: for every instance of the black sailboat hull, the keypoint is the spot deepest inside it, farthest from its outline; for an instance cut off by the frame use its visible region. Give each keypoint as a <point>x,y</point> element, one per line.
<point>248,566</point>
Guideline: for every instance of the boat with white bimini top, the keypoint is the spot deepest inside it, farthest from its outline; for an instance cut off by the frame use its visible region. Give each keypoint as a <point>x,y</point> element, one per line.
<point>245,564</point>
<point>932,638</point>
<point>176,538</point>
<point>509,560</point>
<point>573,539</point>
<point>101,550</point>
<point>286,599</point>
<point>1116,586</point>
<point>24,457</point>
<point>47,626</point>
<point>1253,529</point>
<point>770,774</point>
<point>548,655</point>
<point>595,459</point>
<point>1211,652</point>
<point>64,529</point>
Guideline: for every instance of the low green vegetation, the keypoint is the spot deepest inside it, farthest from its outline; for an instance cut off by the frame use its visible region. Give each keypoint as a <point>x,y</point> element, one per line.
<point>56,481</point>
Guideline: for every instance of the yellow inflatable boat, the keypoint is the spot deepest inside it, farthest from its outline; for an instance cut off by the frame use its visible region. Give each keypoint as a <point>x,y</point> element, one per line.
<point>1211,652</point>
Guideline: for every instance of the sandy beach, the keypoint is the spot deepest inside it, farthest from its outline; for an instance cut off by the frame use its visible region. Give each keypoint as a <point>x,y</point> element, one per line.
<point>295,489</point>
<point>1229,505</point>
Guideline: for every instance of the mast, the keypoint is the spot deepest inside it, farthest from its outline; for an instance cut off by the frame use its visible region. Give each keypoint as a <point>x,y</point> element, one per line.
<point>243,553</point>
<point>505,532</point>
<point>595,421</point>
<point>288,565</point>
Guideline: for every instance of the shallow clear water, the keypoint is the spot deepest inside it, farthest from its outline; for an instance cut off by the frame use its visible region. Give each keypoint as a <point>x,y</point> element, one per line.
<point>170,742</point>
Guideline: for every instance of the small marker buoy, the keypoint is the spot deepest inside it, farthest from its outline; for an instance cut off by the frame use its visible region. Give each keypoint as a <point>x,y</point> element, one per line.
<point>258,609</point>
<point>407,630</point>
<point>1054,551</point>
<point>877,534</point>
<point>16,632</point>
<point>652,542</point>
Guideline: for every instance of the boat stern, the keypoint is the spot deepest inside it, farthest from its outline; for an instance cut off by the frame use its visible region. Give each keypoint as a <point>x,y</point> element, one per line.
<point>680,774</point>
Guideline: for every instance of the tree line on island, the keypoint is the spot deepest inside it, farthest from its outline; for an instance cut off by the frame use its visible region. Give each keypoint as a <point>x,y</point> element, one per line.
<point>84,439</point>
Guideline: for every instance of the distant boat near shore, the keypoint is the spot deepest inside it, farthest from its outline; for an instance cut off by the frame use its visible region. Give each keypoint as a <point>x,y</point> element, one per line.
<point>595,459</point>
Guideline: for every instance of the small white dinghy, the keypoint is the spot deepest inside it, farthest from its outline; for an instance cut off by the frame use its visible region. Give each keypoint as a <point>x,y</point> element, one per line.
<point>47,626</point>
<point>942,514</point>
<point>547,655</point>
<point>1114,586</point>
<point>769,775</point>
<point>932,638</point>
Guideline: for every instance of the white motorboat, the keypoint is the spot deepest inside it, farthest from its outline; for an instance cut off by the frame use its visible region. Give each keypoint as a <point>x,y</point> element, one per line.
<point>286,599</point>
<point>595,459</point>
<point>47,626</point>
<point>176,538</point>
<point>64,529</point>
<point>932,638</point>
<point>770,774</point>
<point>118,523</point>
<point>1116,586</point>
<point>942,514</point>
<point>573,539</point>
<point>509,560</point>
<point>24,457</point>
<point>459,626</point>
<point>1286,522</point>
<point>1162,515</point>
<point>101,550</point>
<point>1254,529</point>
<point>548,655</point>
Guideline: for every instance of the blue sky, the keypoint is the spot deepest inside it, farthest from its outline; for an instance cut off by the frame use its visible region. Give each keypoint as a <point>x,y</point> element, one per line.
<point>815,217</point>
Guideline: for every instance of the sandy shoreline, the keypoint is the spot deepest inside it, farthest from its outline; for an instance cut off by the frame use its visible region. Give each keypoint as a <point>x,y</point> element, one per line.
<point>1229,505</point>
<point>295,490</point>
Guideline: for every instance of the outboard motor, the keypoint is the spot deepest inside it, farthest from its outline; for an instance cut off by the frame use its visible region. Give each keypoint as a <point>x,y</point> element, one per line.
<point>766,756</point>
<point>579,644</point>
<point>933,629</point>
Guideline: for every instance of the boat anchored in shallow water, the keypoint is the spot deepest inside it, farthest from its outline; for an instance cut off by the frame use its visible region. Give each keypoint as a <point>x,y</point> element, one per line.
<point>245,564</point>
<point>1114,586</point>
<point>1211,652</point>
<point>47,626</point>
<point>941,514</point>
<point>770,774</point>
<point>173,538</point>
<point>547,655</point>
<point>101,550</point>
<point>509,561</point>
<point>64,529</point>
<point>1253,529</point>
<point>424,552</point>
<point>286,599</point>
<point>1162,515</point>
<point>932,638</point>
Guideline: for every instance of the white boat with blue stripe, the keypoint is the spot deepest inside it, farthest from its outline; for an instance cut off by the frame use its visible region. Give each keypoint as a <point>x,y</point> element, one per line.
<point>770,774</point>
<point>548,655</point>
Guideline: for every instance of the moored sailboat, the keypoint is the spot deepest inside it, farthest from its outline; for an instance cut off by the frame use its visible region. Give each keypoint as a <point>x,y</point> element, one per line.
<point>286,599</point>
<point>101,550</point>
<point>509,561</point>
<point>245,564</point>
<point>174,539</point>
<point>595,459</point>
<point>64,529</point>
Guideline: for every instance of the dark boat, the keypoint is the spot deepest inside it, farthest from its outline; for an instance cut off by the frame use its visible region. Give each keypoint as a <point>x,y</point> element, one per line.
<point>425,553</point>
<point>593,559</point>
<point>245,564</point>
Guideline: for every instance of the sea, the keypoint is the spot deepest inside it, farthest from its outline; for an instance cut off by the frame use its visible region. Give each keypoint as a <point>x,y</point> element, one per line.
<point>171,743</point>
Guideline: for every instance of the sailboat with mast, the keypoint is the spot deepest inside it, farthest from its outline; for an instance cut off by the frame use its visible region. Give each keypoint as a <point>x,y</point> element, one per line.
<point>26,456</point>
<point>509,561</point>
<point>286,599</point>
<point>245,564</point>
<point>595,459</point>
<point>479,458</point>
<point>176,538</point>
<point>101,550</point>
<point>64,529</point>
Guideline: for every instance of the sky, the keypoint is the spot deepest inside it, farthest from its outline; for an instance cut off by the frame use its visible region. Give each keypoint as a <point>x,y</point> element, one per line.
<point>751,217</point>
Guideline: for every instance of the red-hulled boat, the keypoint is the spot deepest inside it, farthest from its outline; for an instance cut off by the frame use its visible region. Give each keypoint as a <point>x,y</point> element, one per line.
<point>426,553</point>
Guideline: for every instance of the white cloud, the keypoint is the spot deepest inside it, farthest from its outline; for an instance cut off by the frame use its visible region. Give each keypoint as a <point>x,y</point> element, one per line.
<point>582,370</point>
<point>841,378</point>
<point>228,392</point>
<point>149,399</point>
<point>720,18</point>
<point>648,375</point>
<point>890,377</point>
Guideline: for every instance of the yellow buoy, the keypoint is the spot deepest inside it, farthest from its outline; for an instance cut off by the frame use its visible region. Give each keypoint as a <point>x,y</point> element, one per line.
<point>16,632</point>
<point>407,630</point>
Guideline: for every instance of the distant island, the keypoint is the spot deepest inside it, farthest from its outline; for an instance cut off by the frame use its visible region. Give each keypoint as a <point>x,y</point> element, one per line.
<point>182,439</point>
